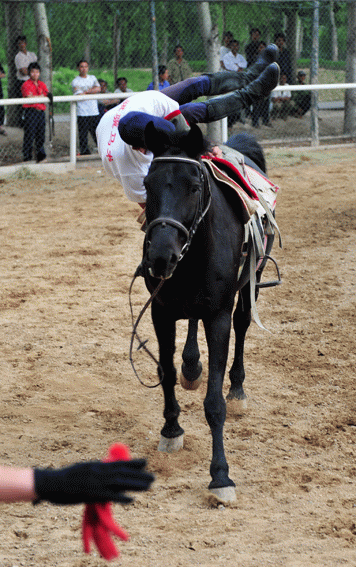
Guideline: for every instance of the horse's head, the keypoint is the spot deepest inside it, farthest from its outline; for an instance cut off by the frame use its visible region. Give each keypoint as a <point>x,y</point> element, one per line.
<point>175,197</point>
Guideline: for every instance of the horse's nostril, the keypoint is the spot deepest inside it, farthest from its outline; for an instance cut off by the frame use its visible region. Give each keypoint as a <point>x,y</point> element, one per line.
<point>174,259</point>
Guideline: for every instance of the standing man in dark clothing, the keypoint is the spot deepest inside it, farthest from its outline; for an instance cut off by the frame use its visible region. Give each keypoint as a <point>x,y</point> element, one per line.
<point>284,60</point>
<point>252,48</point>
<point>178,67</point>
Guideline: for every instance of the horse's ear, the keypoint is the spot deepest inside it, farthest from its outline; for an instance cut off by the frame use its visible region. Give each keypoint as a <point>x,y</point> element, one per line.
<point>156,142</point>
<point>193,142</point>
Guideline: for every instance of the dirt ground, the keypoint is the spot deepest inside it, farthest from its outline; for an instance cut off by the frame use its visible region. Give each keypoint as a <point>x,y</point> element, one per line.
<point>70,245</point>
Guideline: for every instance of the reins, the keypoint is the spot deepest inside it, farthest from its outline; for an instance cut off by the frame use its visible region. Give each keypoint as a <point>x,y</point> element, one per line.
<point>142,344</point>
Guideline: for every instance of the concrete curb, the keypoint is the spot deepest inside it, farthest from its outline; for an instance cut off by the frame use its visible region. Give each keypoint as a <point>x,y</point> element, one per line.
<point>58,168</point>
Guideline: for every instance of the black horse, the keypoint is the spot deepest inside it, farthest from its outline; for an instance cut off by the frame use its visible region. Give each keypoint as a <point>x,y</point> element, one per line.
<point>194,242</point>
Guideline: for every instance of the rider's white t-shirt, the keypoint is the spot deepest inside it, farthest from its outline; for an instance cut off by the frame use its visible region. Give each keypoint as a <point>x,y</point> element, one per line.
<point>130,166</point>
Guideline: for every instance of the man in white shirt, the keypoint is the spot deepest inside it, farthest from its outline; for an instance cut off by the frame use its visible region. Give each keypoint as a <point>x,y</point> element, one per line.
<point>225,48</point>
<point>234,61</point>
<point>22,60</point>
<point>87,111</point>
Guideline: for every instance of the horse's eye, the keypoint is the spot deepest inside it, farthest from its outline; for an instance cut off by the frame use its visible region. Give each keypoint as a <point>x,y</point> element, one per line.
<point>195,188</point>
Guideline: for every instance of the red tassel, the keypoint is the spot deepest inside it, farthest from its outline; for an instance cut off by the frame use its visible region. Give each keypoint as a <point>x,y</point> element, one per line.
<point>98,522</point>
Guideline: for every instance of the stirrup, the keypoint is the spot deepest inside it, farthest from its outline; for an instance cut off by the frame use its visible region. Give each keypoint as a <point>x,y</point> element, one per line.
<point>271,283</point>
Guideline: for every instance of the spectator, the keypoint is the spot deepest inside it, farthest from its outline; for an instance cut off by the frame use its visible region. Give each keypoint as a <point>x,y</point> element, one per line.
<point>301,99</point>
<point>87,111</point>
<point>234,61</point>
<point>35,122</point>
<point>105,104</point>
<point>2,108</point>
<point>225,48</point>
<point>121,87</point>
<point>162,79</point>
<point>252,49</point>
<point>178,67</point>
<point>22,60</point>
<point>261,108</point>
<point>281,100</point>
<point>284,60</point>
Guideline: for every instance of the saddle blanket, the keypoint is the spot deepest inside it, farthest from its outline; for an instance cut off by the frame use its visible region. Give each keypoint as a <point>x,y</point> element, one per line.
<point>253,189</point>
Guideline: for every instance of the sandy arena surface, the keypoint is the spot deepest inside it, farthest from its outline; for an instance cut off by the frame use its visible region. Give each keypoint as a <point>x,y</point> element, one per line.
<point>69,247</point>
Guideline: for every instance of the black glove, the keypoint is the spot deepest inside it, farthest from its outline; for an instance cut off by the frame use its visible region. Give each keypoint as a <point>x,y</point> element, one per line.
<point>92,482</point>
<point>50,96</point>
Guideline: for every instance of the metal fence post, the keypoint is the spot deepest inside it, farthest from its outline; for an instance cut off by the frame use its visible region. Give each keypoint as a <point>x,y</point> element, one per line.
<point>314,68</point>
<point>73,134</point>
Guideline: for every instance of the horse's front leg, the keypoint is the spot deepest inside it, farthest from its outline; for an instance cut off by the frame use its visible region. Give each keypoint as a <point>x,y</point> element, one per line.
<point>165,327</point>
<point>192,368</point>
<point>217,335</point>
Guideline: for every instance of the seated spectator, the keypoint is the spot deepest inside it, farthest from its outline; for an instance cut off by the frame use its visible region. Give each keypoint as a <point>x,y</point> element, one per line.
<point>281,100</point>
<point>35,122</point>
<point>178,67</point>
<point>225,48</point>
<point>234,61</point>
<point>301,99</point>
<point>162,79</point>
<point>121,87</point>
<point>105,104</point>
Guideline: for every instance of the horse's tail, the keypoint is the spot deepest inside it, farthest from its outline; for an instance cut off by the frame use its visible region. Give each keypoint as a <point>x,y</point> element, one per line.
<point>247,145</point>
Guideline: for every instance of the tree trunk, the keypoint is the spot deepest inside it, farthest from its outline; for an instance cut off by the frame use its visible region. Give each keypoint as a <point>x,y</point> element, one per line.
<point>314,73</point>
<point>14,23</point>
<point>44,54</point>
<point>334,46</point>
<point>164,31</point>
<point>116,40</point>
<point>291,34</point>
<point>211,42</point>
<point>350,94</point>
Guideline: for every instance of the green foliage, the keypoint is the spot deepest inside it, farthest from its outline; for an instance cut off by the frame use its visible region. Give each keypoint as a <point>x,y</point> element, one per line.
<point>324,63</point>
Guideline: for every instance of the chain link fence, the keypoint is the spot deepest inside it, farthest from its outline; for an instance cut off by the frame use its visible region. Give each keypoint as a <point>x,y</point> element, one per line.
<point>122,41</point>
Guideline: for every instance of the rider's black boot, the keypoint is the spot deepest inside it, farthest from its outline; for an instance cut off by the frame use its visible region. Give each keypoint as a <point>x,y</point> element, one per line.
<point>227,81</point>
<point>221,106</point>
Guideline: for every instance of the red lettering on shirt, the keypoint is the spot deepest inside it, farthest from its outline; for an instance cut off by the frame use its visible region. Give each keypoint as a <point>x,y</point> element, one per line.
<point>109,155</point>
<point>112,138</point>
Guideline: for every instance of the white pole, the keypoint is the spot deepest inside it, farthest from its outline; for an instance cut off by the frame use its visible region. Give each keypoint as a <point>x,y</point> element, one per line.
<point>73,134</point>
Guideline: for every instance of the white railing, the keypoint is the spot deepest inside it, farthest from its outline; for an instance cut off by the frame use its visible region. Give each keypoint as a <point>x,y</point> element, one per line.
<point>73,99</point>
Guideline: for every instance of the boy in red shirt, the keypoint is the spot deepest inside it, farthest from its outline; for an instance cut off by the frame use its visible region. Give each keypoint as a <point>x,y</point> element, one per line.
<point>35,124</point>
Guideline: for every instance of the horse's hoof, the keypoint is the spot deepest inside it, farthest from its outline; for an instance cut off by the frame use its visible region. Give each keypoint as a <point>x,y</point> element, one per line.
<point>238,404</point>
<point>191,384</point>
<point>225,493</point>
<point>170,445</point>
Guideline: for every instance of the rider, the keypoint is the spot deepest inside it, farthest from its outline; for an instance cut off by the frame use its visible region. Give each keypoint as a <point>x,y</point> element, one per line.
<point>121,144</point>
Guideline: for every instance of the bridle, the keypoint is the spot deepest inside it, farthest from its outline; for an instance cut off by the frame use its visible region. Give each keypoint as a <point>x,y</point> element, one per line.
<point>200,211</point>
